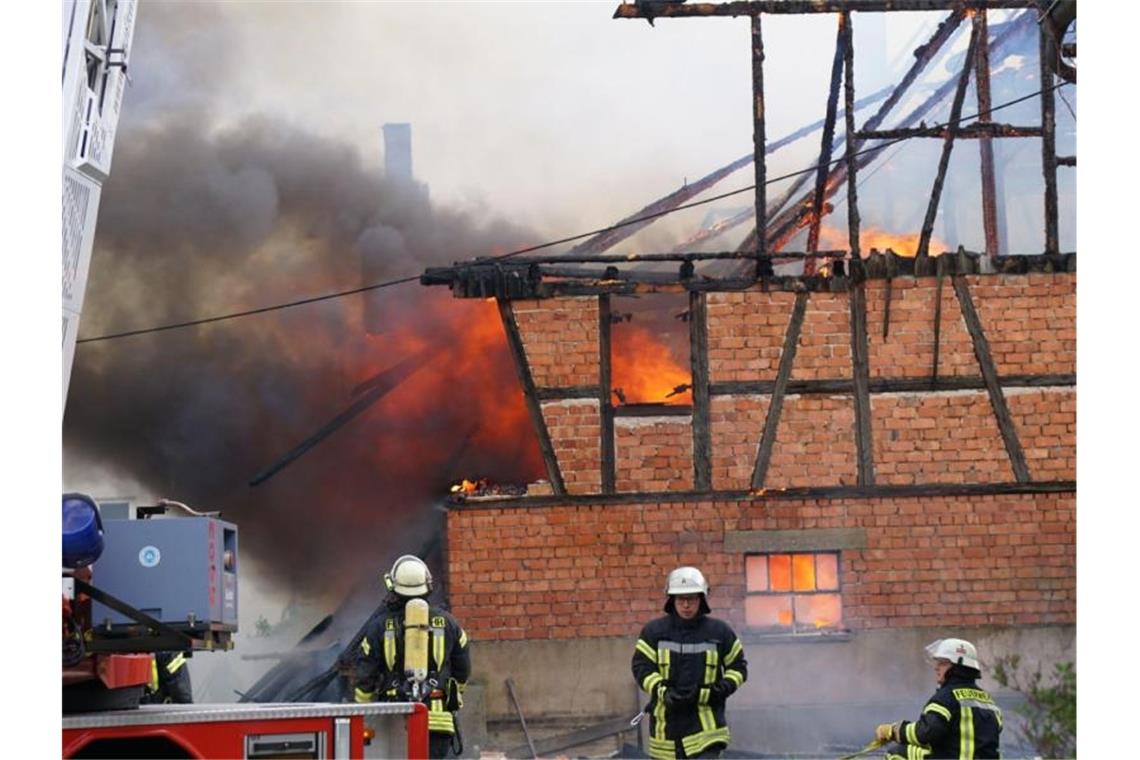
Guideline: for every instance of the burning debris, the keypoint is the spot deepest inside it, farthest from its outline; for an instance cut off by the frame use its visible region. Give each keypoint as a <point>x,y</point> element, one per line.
<point>484,489</point>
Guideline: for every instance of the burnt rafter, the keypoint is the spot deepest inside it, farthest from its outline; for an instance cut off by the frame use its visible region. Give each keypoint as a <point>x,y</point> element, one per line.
<point>480,281</point>
<point>947,146</point>
<point>783,494</point>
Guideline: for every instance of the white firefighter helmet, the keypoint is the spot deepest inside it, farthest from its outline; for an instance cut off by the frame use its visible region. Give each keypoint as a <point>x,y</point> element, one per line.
<point>958,651</point>
<point>686,580</point>
<point>409,576</point>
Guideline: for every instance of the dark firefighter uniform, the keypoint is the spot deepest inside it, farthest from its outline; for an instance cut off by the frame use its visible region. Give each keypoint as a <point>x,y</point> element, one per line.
<point>379,669</point>
<point>169,679</point>
<point>701,658</point>
<point>959,721</point>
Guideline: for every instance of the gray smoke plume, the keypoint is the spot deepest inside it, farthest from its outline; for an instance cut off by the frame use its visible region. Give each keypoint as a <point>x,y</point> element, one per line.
<point>200,218</point>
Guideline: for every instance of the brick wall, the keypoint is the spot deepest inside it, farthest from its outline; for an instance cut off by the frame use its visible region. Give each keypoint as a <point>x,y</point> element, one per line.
<point>598,570</point>
<point>735,423</point>
<point>947,437</point>
<point>917,437</point>
<point>560,336</point>
<point>815,443</point>
<point>908,348</point>
<point>746,334</point>
<point>653,454</point>
<point>824,350</point>
<point>575,427</point>
<point>1030,321</point>
<point>1046,421</point>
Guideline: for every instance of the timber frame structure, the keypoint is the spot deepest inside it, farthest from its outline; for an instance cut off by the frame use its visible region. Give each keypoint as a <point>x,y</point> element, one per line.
<point>759,263</point>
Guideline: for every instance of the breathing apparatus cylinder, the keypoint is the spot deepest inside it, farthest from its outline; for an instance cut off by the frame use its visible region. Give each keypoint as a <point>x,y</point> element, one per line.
<point>416,645</point>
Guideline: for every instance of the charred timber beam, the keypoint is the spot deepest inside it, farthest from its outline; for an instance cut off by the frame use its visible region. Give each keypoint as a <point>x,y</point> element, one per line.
<point>826,141</point>
<point>793,217</point>
<point>1048,139</point>
<point>609,274</point>
<point>533,407</point>
<point>653,410</point>
<point>650,9</point>
<point>610,237</point>
<point>989,374</point>
<point>933,490</point>
<point>466,281</point>
<point>772,421</point>
<point>799,211</point>
<point>861,382</point>
<point>605,400</point>
<point>979,131</point>
<point>758,138</point>
<point>849,137</point>
<point>986,145</point>
<point>643,257</point>
<point>947,147</point>
<point>938,318</point>
<point>570,392</point>
<point>376,388</point>
<point>699,361</point>
<point>890,385</point>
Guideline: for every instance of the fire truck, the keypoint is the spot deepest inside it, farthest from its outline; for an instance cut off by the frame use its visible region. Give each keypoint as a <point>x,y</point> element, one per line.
<point>161,578</point>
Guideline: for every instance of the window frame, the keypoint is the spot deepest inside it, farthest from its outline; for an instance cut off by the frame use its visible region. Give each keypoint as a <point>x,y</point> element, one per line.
<point>795,628</point>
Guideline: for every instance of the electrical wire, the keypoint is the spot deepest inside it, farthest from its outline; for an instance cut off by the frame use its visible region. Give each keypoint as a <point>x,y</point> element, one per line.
<point>540,246</point>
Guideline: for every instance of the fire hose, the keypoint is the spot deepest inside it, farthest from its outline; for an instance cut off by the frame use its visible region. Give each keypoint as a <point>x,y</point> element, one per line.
<point>872,745</point>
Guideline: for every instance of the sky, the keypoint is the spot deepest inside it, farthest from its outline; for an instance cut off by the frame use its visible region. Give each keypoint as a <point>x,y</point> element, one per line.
<point>547,119</point>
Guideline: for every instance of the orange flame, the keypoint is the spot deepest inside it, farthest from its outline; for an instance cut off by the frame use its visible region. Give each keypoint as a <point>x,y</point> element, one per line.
<point>645,369</point>
<point>873,237</point>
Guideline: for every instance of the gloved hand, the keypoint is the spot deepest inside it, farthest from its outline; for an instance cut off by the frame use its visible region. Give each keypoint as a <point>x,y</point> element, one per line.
<point>454,695</point>
<point>887,732</point>
<point>675,697</point>
<point>720,691</point>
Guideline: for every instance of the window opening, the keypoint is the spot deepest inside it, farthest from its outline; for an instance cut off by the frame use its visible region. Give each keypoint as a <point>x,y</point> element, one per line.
<point>650,350</point>
<point>793,592</point>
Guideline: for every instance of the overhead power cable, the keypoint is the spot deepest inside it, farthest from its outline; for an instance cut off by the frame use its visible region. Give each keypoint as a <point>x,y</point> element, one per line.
<point>548,244</point>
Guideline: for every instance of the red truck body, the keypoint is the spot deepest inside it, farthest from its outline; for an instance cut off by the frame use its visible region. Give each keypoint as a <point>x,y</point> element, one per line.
<point>293,730</point>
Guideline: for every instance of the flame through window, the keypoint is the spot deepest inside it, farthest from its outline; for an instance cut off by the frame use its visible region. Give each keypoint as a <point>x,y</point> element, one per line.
<point>793,592</point>
<point>650,350</point>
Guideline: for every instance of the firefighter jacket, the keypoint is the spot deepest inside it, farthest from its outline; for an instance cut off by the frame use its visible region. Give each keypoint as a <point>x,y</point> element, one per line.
<point>701,659</point>
<point>959,721</point>
<point>378,672</point>
<point>169,680</point>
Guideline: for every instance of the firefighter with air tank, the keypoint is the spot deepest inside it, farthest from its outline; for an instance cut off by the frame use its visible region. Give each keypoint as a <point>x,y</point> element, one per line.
<point>689,664</point>
<point>958,721</point>
<point>412,652</point>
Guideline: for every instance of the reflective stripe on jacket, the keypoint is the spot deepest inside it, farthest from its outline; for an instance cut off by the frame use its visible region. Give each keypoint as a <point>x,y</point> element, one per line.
<point>959,721</point>
<point>703,657</point>
<point>378,667</point>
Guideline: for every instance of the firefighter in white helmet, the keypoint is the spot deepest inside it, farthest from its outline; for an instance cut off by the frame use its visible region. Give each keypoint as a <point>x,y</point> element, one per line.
<point>689,664</point>
<point>383,672</point>
<point>959,721</point>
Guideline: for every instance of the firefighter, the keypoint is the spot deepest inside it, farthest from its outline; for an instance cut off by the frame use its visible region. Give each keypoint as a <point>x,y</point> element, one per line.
<point>382,671</point>
<point>959,721</point>
<point>689,664</point>
<point>169,680</point>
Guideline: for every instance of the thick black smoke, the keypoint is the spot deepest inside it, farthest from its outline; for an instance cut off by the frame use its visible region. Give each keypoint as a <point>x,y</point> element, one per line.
<point>199,219</point>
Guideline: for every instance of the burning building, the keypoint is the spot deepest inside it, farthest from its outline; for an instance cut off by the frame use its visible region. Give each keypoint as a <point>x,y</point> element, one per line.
<point>864,451</point>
